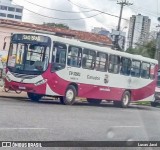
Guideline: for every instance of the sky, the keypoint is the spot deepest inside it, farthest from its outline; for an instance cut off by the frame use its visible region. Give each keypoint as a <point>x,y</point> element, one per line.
<point>149,8</point>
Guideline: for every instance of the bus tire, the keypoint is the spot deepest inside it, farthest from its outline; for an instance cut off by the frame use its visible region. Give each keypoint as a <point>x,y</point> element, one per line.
<point>70,96</point>
<point>34,97</point>
<point>94,101</point>
<point>125,100</point>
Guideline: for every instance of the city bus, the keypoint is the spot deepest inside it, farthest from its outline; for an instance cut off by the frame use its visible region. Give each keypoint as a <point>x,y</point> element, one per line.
<point>48,65</point>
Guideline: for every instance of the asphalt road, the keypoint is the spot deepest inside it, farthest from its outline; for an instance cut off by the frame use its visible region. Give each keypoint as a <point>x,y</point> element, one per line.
<point>21,119</point>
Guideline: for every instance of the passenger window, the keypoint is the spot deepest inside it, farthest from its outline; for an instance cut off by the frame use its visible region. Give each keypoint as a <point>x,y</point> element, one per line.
<point>74,56</point>
<point>152,71</point>
<point>125,66</point>
<point>59,57</point>
<point>101,62</point>
<point>145,70</point>
<point>114,62</point>
<point>89,58</point>
<point>135,69</point>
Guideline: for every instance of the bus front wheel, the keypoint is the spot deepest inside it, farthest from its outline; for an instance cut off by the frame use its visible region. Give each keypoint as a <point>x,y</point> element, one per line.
<point>125,100</point>
<point>70,96</point>
<point>34,97</point>
<point>94,101</point>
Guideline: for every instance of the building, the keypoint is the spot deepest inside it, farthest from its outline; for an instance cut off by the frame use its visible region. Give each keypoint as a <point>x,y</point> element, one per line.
<point>10,11</point>
<point>9,26</point>
<point>121,38</point>
<point>139,28</point>
<point>101,31</point>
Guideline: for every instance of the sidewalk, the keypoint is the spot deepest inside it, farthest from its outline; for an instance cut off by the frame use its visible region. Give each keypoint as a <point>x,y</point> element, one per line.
<point>11,94</point>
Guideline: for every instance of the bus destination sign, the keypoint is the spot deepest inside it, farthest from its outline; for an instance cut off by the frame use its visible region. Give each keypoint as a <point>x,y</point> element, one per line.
<point>30,38</point>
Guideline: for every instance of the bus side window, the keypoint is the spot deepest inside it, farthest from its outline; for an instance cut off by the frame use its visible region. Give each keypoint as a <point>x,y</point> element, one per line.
<point>89,59</point>
<point>145,70</point>
<point>59,57</point>
<point>101,62</point>
<point>135,69</point>
<point>125,66</point>
<point>114,64</point>
<point>74,56</point>
<point>152,71</point>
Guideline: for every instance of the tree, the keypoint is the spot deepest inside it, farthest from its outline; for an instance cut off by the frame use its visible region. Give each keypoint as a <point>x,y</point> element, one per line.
<point>146,50</point>
<point>59,25</point>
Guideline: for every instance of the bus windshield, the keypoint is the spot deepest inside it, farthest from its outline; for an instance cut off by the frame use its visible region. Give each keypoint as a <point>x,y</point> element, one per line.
<point>27,58</point>
<point>28,54</point>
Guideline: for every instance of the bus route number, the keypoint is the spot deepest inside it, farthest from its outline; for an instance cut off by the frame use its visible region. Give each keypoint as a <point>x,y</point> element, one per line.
<point>31,38</point>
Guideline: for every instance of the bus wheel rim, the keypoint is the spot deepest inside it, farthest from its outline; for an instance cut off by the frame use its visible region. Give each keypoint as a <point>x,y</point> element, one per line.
<point>70,95</point>
<point>125,99</point>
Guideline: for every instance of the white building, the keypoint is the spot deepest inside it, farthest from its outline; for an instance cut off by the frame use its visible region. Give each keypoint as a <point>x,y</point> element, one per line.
<point>139,28</point>
<point>10,11</point>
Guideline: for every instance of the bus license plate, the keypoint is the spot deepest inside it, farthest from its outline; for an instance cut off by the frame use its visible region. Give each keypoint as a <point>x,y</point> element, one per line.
<point>22,87</point>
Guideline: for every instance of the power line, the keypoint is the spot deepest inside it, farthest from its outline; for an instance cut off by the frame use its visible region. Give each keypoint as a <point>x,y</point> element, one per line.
<point>96,10</point>
<point>60,18</point>
<point>80,6</point>
<point>64,11</point>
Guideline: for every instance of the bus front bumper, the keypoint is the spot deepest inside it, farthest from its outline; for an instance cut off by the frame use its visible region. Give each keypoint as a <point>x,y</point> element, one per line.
<point>29,87</point>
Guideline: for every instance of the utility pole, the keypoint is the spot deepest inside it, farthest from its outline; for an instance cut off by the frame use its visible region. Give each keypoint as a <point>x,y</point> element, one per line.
<point>122,3</point>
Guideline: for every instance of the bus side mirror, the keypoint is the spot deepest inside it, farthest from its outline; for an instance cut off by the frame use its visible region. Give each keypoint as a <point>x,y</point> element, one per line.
<point>4,46</point>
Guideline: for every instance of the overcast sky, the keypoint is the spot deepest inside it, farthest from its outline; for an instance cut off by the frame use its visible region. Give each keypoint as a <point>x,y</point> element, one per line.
<point>149,8</point>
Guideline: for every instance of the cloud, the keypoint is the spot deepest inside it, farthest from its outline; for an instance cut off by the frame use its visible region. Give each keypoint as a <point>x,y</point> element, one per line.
<point>148,9</point>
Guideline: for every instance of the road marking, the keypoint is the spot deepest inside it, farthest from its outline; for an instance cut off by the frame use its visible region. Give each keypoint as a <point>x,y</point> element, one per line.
<point>126,126</point>
<point>22,128</point>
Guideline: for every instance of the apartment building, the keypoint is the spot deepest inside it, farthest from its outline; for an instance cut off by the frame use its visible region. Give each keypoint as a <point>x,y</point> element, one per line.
<point>139,28</point>
<point>10,11</point>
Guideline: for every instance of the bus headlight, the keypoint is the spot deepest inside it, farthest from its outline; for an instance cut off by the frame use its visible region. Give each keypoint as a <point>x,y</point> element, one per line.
<point>8,79</point>
<point>40,82</point>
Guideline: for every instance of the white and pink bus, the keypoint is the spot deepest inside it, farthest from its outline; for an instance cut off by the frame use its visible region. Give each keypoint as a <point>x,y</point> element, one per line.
<point>47,65</point>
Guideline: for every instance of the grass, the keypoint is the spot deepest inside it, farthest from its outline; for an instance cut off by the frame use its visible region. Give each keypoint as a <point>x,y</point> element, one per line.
<point>146,103</point>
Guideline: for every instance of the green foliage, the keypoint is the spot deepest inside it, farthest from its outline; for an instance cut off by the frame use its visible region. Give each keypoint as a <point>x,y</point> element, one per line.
<point>146,50</point>
<point>59,25</point>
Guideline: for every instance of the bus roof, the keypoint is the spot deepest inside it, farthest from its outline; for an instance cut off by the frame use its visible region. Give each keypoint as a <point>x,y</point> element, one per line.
<point>78,43</point>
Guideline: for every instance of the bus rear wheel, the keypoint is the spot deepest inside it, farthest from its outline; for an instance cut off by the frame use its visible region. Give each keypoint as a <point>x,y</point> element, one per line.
<point>94,101</point>
<point>34,97</point>
<point>125,100</point>
<point>70,96</point>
